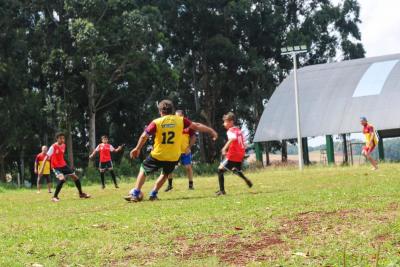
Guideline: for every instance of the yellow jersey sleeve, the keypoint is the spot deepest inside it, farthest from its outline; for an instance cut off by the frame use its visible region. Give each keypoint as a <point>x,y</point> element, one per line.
<point>168,138</point>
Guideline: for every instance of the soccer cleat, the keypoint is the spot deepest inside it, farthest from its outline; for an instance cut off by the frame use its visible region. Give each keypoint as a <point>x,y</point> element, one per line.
<point>249,183</point>
<point>191,187</point>
<point>103,187</point>
<point>169,188</point>
<point>153,198</point>
<point>55,199</point>
<point>220,193</point>
<point>132,198</point>
<point>84,195</point>
<point>116,186</point>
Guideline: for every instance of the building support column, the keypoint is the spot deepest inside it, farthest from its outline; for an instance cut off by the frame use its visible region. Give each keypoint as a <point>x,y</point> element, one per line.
<point>306,156</point>
<point>345,153</point>
<point>259,153</point>
<point>330,151</point>
<point>381,150</point>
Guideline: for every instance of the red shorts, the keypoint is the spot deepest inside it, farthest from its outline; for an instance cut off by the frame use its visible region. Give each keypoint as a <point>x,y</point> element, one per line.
<point>368,150</point>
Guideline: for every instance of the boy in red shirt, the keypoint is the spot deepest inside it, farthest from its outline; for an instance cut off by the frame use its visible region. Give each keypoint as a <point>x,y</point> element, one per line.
<point>60,167</point>
<point>105,163</point>
<point>39,162</point>
<point>234,151</point>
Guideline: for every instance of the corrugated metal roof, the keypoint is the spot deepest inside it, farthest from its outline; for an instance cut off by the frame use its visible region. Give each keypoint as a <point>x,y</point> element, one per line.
<point>329,103</point>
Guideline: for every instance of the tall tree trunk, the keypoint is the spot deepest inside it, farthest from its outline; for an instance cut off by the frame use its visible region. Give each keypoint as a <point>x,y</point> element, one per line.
<point>197,106</point>
<point>69,144</point>
<point>22,165</point>
<point>2,167</point>
<point>92,112</point>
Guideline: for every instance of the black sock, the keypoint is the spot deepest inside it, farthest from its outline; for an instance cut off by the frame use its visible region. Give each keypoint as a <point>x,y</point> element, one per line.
<point>58,187</point>
<point>170,182</point>
<point>190,183</point>
<point>78,185</point>
<point>113,177</point>
<point>240,174</point>
<point>221,180</point>
<point>102,178</point>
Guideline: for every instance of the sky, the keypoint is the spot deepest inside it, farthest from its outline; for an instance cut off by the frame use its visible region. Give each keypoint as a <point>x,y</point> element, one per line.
<point>380,34</point>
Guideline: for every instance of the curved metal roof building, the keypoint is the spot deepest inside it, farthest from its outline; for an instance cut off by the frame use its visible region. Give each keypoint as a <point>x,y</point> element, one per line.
<point>332,99</point>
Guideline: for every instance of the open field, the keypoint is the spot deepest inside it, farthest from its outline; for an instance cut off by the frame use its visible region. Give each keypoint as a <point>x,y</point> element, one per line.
<point>328,216</point>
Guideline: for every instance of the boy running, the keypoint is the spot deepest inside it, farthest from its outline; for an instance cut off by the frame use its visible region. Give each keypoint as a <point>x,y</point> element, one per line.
<point>39,161</point>
<point>371,141</point>
<point>234,151</point>
<point>105,163</point>
<point>60,167</point>
<point>167,131</point>
<point>188,140</point>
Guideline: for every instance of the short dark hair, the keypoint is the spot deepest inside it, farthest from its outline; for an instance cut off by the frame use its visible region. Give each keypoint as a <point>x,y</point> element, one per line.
<point>166,107</point>
<point>230,116</point>
<point>180,111</point>
<point>104,136</point>
<point>59,134</point>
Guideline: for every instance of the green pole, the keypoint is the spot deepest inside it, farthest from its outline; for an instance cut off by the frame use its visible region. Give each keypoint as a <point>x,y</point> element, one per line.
<point>330,152</point>
<point>306,157</point>
<point>381,150</point>
<point>259,153</point>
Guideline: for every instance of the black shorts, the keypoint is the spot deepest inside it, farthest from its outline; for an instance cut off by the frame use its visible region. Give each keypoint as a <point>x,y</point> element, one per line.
<point>105,165</point>
<point>151,165</point>
<point>66,170</point>
<point>47,177</point>
<point>230,165</point>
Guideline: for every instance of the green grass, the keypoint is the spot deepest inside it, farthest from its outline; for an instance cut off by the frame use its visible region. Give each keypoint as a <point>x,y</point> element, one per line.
<point>328,216</point>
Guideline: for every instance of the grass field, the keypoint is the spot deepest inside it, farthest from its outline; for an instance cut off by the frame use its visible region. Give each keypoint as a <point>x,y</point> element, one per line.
<point>328,216</point>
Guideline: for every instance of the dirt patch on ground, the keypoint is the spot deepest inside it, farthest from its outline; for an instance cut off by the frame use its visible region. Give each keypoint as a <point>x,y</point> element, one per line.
<point>232,249</point>
<point>240,250</point>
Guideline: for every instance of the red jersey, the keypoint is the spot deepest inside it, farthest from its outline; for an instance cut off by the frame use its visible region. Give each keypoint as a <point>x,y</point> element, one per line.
<point>104,150</point>
<point>236,149</point>
<point>56,152</point>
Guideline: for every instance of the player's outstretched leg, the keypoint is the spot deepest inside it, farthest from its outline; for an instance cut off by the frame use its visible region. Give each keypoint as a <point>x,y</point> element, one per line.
<point>114,178</point>
<point>159,183</point>
<point>169,187</point>
<point>79,186</point>
<point>241,175</point>
<point>103,184</point>
<point>60,183</point>
<point>136,195</point>
<point>221,182</point>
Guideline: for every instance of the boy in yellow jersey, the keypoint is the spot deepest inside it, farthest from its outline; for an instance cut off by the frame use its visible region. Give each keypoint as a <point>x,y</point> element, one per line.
<point>188,140</point>
<point>371,141</point>
<point>39,161</point>
<point>167,131</point>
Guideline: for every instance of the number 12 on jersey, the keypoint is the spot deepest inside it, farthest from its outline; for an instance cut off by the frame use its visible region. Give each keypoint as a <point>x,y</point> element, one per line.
<point>168,138</point>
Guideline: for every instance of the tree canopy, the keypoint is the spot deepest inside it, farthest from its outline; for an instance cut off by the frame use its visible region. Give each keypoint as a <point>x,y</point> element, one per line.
<point>93,67</point>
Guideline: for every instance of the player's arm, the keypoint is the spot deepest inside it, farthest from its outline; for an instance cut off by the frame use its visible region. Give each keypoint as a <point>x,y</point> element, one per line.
<point>118,149</point>
<point>94,152</point>
<point>204,129</point>
<point>36,166</point>
<point>226,147</point>
<point>192,141</point>
<point>142,140</point>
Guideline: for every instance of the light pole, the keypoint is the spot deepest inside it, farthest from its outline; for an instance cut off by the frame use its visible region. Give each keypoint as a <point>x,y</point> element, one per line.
<point>293,51</point>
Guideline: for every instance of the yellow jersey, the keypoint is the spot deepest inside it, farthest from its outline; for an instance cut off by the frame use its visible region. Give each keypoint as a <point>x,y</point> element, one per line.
<point>168,138</point>
<point>39,161</point>
<point>367,131</point>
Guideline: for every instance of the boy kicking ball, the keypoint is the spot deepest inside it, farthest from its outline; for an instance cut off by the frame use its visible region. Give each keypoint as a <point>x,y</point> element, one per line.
<point>167,131</point>
<point>234,151</point>
<point>105,163</point>
<point>60,167</point>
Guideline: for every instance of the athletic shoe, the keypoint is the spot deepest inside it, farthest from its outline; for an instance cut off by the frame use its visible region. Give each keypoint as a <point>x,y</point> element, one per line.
<point>191,187</point>
<point>84,195</point>
<point>131,198</point>
<point>249,183</point>
<point>116,186</point>
<point>55,199</point>
<point>169,188</point>
<point>103,187</point>
<point>50,192</point>
<point>153,198</point>
<point>220,193</point>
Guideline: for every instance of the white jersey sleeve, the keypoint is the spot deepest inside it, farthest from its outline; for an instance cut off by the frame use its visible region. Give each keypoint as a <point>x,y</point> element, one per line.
<point>50,151</point>
<point>231,135</point>
<point>112,149</point>
<point>97,149</point>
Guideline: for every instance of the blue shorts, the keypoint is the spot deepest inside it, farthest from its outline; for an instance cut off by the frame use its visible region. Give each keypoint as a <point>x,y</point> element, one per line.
<point>186,159</point>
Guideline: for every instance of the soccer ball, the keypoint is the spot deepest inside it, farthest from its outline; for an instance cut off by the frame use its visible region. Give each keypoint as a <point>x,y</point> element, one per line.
<point>140,195</point>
